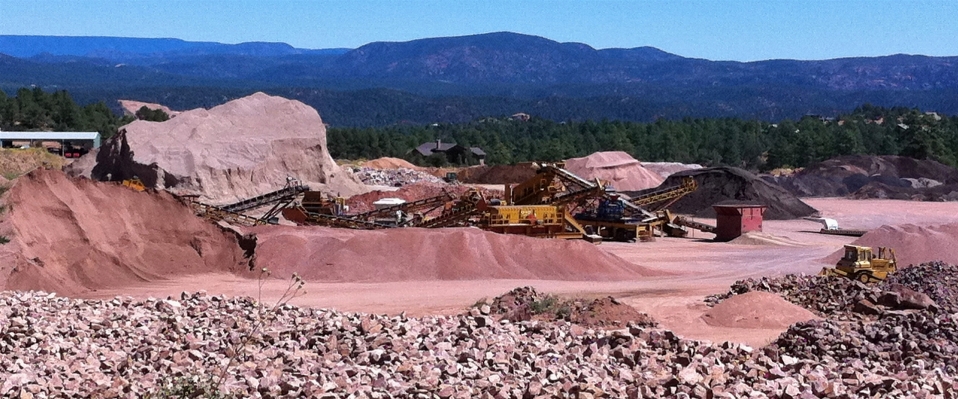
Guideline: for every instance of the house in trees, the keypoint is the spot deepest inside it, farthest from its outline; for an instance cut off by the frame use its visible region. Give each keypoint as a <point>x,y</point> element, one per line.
<point>454,153</point>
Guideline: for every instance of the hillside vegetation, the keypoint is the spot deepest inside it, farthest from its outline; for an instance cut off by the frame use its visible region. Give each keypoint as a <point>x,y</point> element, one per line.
<point>751,144</point>
<point>459,79</point>
<point>37,110</point>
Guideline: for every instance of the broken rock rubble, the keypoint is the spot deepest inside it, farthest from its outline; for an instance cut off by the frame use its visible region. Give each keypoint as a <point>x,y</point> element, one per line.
<point>904,326</point>
<point>53,346</point>
<point>393,177</point>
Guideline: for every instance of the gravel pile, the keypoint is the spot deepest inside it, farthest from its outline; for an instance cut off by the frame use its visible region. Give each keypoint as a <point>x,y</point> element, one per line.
<point>393,177</point>
<point>826,296</point>
<point>907,325</point>
<point>936,279</point>
<point>525,303</point>
<point>52,346</point>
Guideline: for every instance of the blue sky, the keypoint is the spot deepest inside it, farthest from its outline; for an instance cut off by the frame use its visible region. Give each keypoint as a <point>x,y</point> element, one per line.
<point>741,30</point>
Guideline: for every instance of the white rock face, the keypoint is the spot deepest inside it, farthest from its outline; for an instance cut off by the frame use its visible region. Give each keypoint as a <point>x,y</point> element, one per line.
<point>237,150</point>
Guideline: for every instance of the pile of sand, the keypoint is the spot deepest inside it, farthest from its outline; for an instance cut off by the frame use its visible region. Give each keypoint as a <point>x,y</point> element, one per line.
<point>722,184</point>
<point>666,169</point>
<point>912,244</point>
<point>412,254</point>
<point>234,151</point>
<point>616,167</point>
<point>389,163</point>
<point>763,238</point>
<point>71,235</point>
<point>757,309</point>
<point>130,107</point>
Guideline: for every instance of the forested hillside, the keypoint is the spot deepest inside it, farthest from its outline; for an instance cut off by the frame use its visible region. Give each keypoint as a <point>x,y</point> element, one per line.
<point>461,79</point>
<point>750,144</point>
<point>36,110</point>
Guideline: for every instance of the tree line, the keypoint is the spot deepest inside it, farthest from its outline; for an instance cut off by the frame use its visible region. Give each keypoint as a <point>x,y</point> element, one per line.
<point>37,110</point>
<point>750,144</point>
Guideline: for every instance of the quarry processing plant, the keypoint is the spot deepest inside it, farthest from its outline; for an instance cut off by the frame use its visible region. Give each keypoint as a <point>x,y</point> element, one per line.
<point>554,203</point>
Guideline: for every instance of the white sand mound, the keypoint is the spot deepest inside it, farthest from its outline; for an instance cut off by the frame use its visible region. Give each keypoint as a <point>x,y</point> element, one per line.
<point>756,309</point>
<point>763,238</point>
<point>389,163</point>
<point>666,169</point>
<point>130,107</point>
<point>616,167</point>
<point>237,150</point>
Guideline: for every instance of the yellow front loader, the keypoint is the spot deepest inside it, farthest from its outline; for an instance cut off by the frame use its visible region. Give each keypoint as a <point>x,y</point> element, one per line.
<point>860,263</point>
<point>135,183</point>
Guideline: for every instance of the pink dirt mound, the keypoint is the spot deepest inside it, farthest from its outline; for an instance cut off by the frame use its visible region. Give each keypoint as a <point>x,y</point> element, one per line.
<point>130,107</point>
<point>666,169</point>
<point>411,254</point>
<point>616,167</point>
<point>756,309</point>
<point>389,163</point>
<point>72,235</point>
<point>912,244</point>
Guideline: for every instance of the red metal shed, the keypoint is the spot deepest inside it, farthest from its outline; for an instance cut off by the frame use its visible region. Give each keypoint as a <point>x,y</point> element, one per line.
<point>732,220</point>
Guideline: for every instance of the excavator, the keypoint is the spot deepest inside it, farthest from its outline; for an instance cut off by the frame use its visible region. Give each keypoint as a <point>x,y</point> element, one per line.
<point>860,263</point>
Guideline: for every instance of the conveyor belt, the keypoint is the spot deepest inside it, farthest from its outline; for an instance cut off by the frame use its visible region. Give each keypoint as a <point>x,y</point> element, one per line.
<point>284,194</point>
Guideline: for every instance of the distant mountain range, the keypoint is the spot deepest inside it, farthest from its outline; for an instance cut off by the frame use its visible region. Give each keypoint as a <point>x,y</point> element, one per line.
<point>454,79</point>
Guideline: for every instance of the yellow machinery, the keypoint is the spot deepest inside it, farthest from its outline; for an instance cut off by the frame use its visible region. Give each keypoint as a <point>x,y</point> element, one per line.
<point>860,263</point>
<point>658,199</point>
<point>134,183</point>
<point>532,220</point>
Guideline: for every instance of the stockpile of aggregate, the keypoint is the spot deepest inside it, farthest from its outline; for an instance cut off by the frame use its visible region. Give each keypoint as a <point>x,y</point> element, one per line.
<point>237,150</point>
<point>388,163</point>
<point>617,168</point>
<point>913,244</point>
<point>873,176</point>
<point>526,303</point>
<point>733,185</point>
<point>72,235</point>
<point>55,346</point>
<point>756,309</point>
<point>393,177</point>
<point>905,324</point>
<point>416,254</point>
<point>131,106</point>
<point>666,169</point>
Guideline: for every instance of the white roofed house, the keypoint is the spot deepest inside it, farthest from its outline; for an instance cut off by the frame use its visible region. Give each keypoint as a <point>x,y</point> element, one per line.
<point>69,144</point>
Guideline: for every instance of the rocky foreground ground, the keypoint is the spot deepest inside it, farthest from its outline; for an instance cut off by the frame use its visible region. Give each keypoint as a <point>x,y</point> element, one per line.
<point>897,340</point>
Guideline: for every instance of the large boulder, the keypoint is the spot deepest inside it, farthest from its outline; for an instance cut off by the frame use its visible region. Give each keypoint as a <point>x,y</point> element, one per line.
<point>237,150</point>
